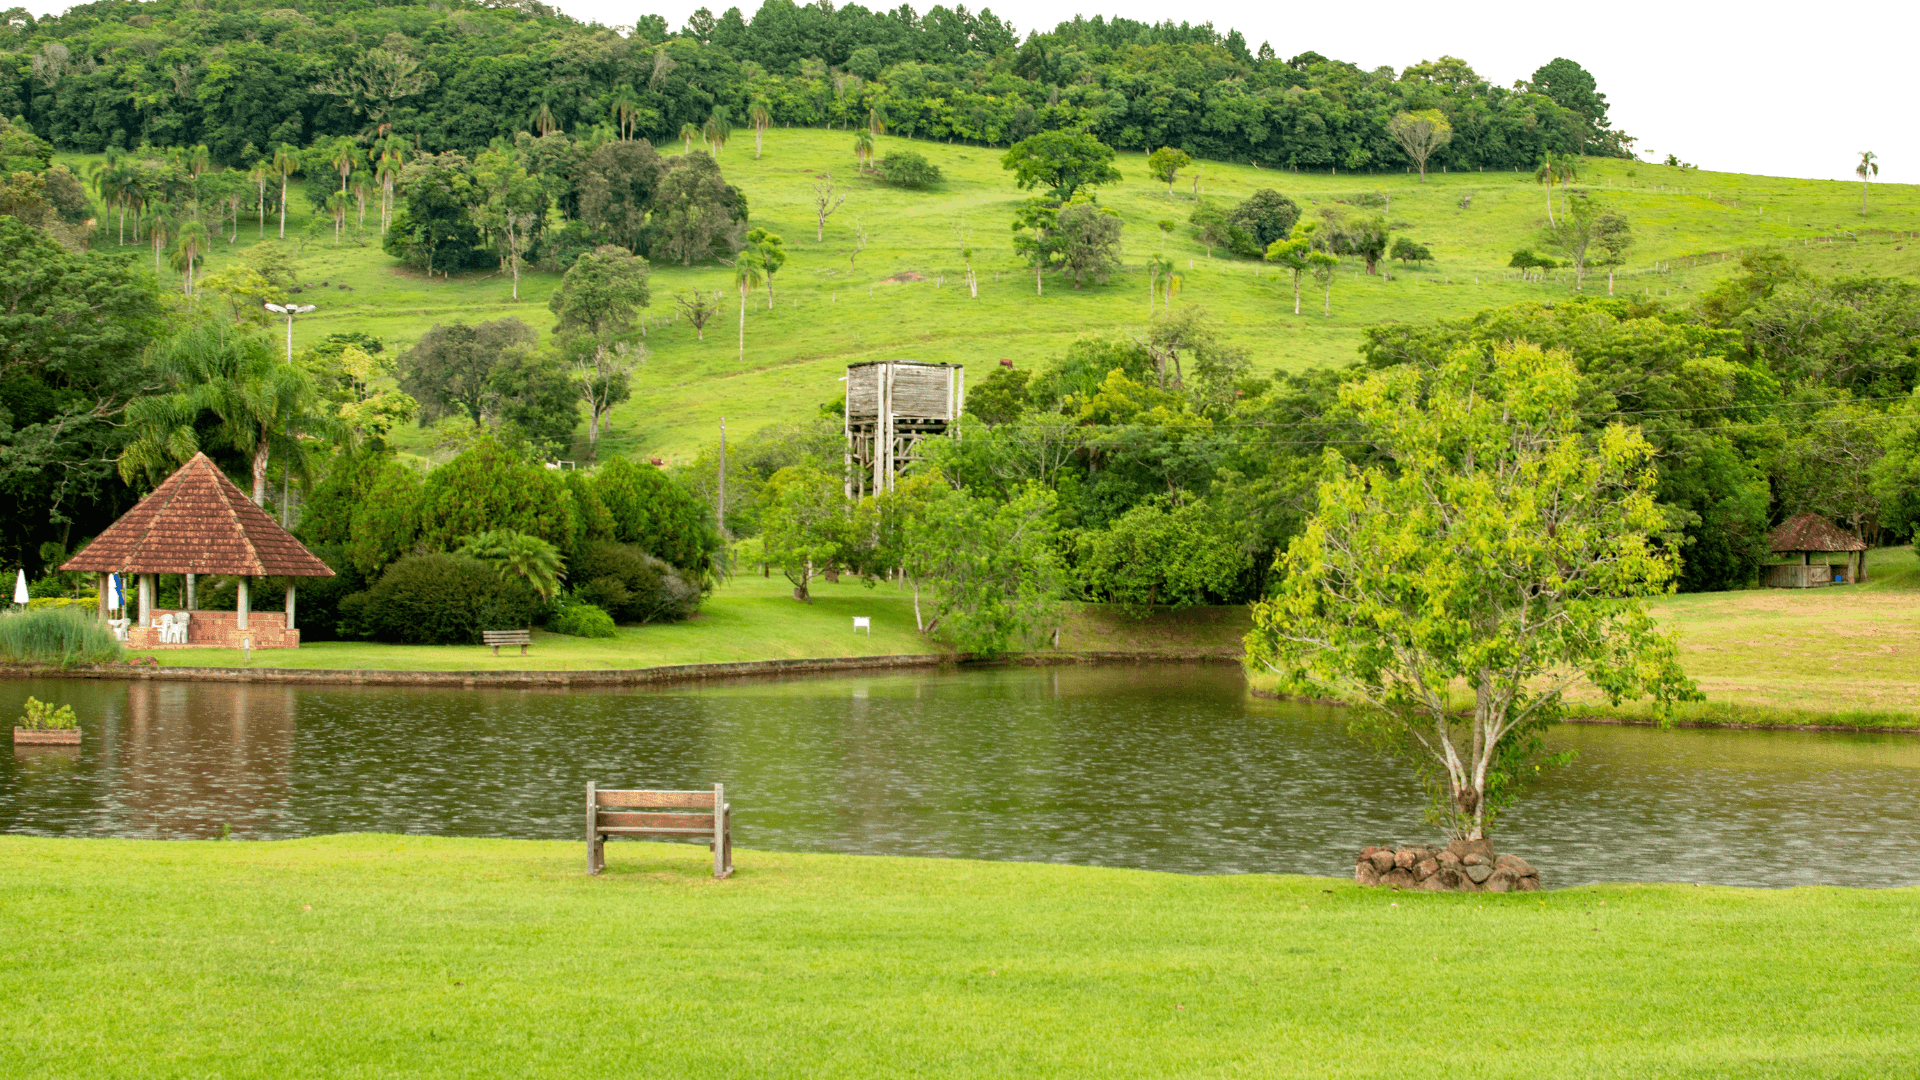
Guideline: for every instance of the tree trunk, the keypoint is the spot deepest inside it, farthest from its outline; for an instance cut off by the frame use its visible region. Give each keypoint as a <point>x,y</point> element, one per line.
<point>1296,292</point>
<point>743,322</point>
<point>260,457</point>
<point>283,206</point>
<point>1037,290</point>
<point>918,623</point>
<point>1328,311</point>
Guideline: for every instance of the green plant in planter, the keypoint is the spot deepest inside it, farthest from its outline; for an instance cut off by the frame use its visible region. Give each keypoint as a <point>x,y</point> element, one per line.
<point>44,717</point>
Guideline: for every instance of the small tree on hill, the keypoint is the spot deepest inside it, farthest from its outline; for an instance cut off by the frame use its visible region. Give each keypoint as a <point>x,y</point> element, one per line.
<point>1588,224</point>
<point>1407,251</point>
<point>596,303</point>
<point>1165,164</point>
<point>1420,134</point>
<point>1492,545</point>
<point>825,201</point>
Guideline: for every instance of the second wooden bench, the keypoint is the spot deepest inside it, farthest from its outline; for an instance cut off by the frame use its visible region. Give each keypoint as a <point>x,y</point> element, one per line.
<point>497,638</point>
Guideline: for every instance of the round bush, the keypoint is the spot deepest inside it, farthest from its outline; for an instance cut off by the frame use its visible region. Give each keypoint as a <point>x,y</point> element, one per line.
<point>438,600</point>
<point>581,620</point>
<point>633,586</point>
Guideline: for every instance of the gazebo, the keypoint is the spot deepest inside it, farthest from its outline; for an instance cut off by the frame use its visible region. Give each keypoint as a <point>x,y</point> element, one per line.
<point>196,523</point>
<point>1807,535</point>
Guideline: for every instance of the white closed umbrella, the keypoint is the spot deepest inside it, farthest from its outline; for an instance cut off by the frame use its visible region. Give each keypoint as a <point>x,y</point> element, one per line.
<point>20,588</point>
<point>114,598</point>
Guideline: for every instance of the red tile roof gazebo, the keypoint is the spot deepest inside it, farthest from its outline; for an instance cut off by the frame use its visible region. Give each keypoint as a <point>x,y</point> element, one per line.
<point>1805,534</point>
<point>197,522</point>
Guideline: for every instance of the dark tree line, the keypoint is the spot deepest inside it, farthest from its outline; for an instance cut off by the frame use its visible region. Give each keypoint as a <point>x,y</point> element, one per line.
<point>244,76</point>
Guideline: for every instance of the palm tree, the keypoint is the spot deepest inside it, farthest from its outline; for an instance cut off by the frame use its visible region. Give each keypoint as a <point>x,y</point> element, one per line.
<point>877,120</point>
<point>536,561</point>
<point>159,221</point>
<point>719,129</point>
<point>863,148</point>
<point>286,162</point>
<point>342,155</point>
<point>626,111</point>
<point>759,116</point>
<point>393,158</point>
<point>264,404</point>
<point>1868,168</point>
<point>688,133</point>
<point>746,273</point>
<point>542,117</point>
<point>258,174</point>
<point>189,250</point>
<point>1555,168</point>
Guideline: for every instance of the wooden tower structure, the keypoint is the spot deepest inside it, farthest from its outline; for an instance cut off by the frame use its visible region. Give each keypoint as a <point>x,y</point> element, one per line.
<point>892,407</point>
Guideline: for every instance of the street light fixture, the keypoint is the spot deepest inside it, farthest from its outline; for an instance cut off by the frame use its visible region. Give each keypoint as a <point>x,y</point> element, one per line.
<point>289,310</point>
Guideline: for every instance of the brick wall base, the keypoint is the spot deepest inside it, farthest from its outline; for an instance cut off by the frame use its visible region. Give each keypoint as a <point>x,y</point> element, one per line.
<point>220,630</point>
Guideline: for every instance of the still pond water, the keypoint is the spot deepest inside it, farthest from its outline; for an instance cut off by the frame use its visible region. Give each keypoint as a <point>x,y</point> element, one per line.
<point>1162,767</point>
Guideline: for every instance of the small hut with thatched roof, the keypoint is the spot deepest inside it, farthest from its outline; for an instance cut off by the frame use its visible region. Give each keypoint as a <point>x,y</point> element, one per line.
<point>198,523</point>
<point>1807,535</point>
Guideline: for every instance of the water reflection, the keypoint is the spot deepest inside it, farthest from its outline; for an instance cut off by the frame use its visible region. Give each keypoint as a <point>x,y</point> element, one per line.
<point>1166,767</point>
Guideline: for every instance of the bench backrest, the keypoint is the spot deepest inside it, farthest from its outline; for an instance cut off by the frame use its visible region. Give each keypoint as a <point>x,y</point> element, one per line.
<point>664,812</point>
<point>505,637</point>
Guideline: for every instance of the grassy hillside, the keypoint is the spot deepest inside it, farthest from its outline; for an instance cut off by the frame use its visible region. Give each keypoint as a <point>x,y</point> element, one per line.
<point>891,304</point>
<point>358,956</point>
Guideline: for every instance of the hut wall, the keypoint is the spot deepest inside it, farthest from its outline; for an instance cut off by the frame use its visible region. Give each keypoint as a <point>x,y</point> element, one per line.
<point>920,391</point>
<point>1806,576</point>
<point>220,630</point>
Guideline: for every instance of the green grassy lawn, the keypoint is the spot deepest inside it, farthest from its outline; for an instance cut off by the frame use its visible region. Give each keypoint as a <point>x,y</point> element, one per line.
<point>892,303</point>
<point>363,956</point>
<point>1843,654</point>
<point>748,618</point>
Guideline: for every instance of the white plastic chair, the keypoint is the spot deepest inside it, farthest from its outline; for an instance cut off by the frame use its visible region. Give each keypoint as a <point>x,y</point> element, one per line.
<point>119,627</point>
<point>863,622</point>
<point>180,628</point>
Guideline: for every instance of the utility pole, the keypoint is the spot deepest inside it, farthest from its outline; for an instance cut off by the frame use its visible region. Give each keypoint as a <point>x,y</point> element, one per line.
<point>720,512</point>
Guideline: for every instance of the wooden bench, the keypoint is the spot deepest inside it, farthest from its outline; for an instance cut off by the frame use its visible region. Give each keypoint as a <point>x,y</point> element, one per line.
<point>683,815</point>
<point>497,638</point>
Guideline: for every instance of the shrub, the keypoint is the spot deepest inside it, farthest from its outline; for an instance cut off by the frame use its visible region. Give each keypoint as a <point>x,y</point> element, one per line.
<point>61,637</point>
<point>488,487</point>
<point>438,600</point>
<point>649,509</point>
<point>633,586</point>
<point>317,601</point>
<point>576,619</point>
<point>42,716</point>
<point>84,603</point>
<point>906,169</point>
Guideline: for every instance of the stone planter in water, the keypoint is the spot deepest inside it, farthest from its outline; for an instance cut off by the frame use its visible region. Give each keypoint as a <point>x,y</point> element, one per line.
<point>1461,866</point>
<point>46,736</point>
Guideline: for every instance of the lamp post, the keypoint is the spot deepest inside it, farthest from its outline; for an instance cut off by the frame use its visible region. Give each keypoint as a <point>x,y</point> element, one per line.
<point>289,310</point>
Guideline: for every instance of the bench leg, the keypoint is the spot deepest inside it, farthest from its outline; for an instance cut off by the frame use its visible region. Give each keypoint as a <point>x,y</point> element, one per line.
<point>496,650</point>
<point>523,650</point>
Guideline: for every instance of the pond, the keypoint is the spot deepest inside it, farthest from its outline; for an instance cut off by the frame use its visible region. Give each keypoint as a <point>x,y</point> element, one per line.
<point>1163,767</point>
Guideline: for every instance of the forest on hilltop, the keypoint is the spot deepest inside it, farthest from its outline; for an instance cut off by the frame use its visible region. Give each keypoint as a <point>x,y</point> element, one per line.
<point>243,77</point>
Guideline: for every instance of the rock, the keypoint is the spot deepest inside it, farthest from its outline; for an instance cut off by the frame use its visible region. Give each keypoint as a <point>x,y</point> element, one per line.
<point>1365,874</point>
<point>1431,884</point>
<point>1463,848</point>
<point>1448,858</point>
<point>1517,864</point>
<point>1527,884</point>
<point>1503,879</point>
<point>1404,859</point>
<point>1367,852</point>
<point>1382,860</point>
<point>1425,869</point>
<point>1397,878</point>
<point>1472,858</point>
<point>1479,873</point>
<point>1450,878</point>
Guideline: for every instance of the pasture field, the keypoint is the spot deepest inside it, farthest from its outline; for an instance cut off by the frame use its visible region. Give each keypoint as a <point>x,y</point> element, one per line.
<point>364,955</point>
<point>904,296</point>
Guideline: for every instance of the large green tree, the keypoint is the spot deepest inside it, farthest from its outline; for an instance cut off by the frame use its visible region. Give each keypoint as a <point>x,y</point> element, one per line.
<point>1064,163</point>
<point>449,371</point>
<point>1491,545</point>
<point>597,304</point>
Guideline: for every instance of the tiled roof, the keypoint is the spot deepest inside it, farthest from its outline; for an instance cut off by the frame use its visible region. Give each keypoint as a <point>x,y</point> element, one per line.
<point>1811,532</point>
<point>198,522</point>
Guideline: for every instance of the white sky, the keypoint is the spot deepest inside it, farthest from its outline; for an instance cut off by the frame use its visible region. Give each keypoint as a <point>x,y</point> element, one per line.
<point>1757,88</point>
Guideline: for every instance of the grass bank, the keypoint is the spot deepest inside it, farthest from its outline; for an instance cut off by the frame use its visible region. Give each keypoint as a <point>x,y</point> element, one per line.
<point>361,955</point>
<point>748,618</point>
<point>1845,656</point>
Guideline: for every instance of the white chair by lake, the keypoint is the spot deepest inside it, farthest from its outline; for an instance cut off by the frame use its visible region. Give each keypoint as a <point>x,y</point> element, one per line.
<point>119,627</point>
<point>863,622</point>
<point>164,624</point>
<point>180,628</point>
